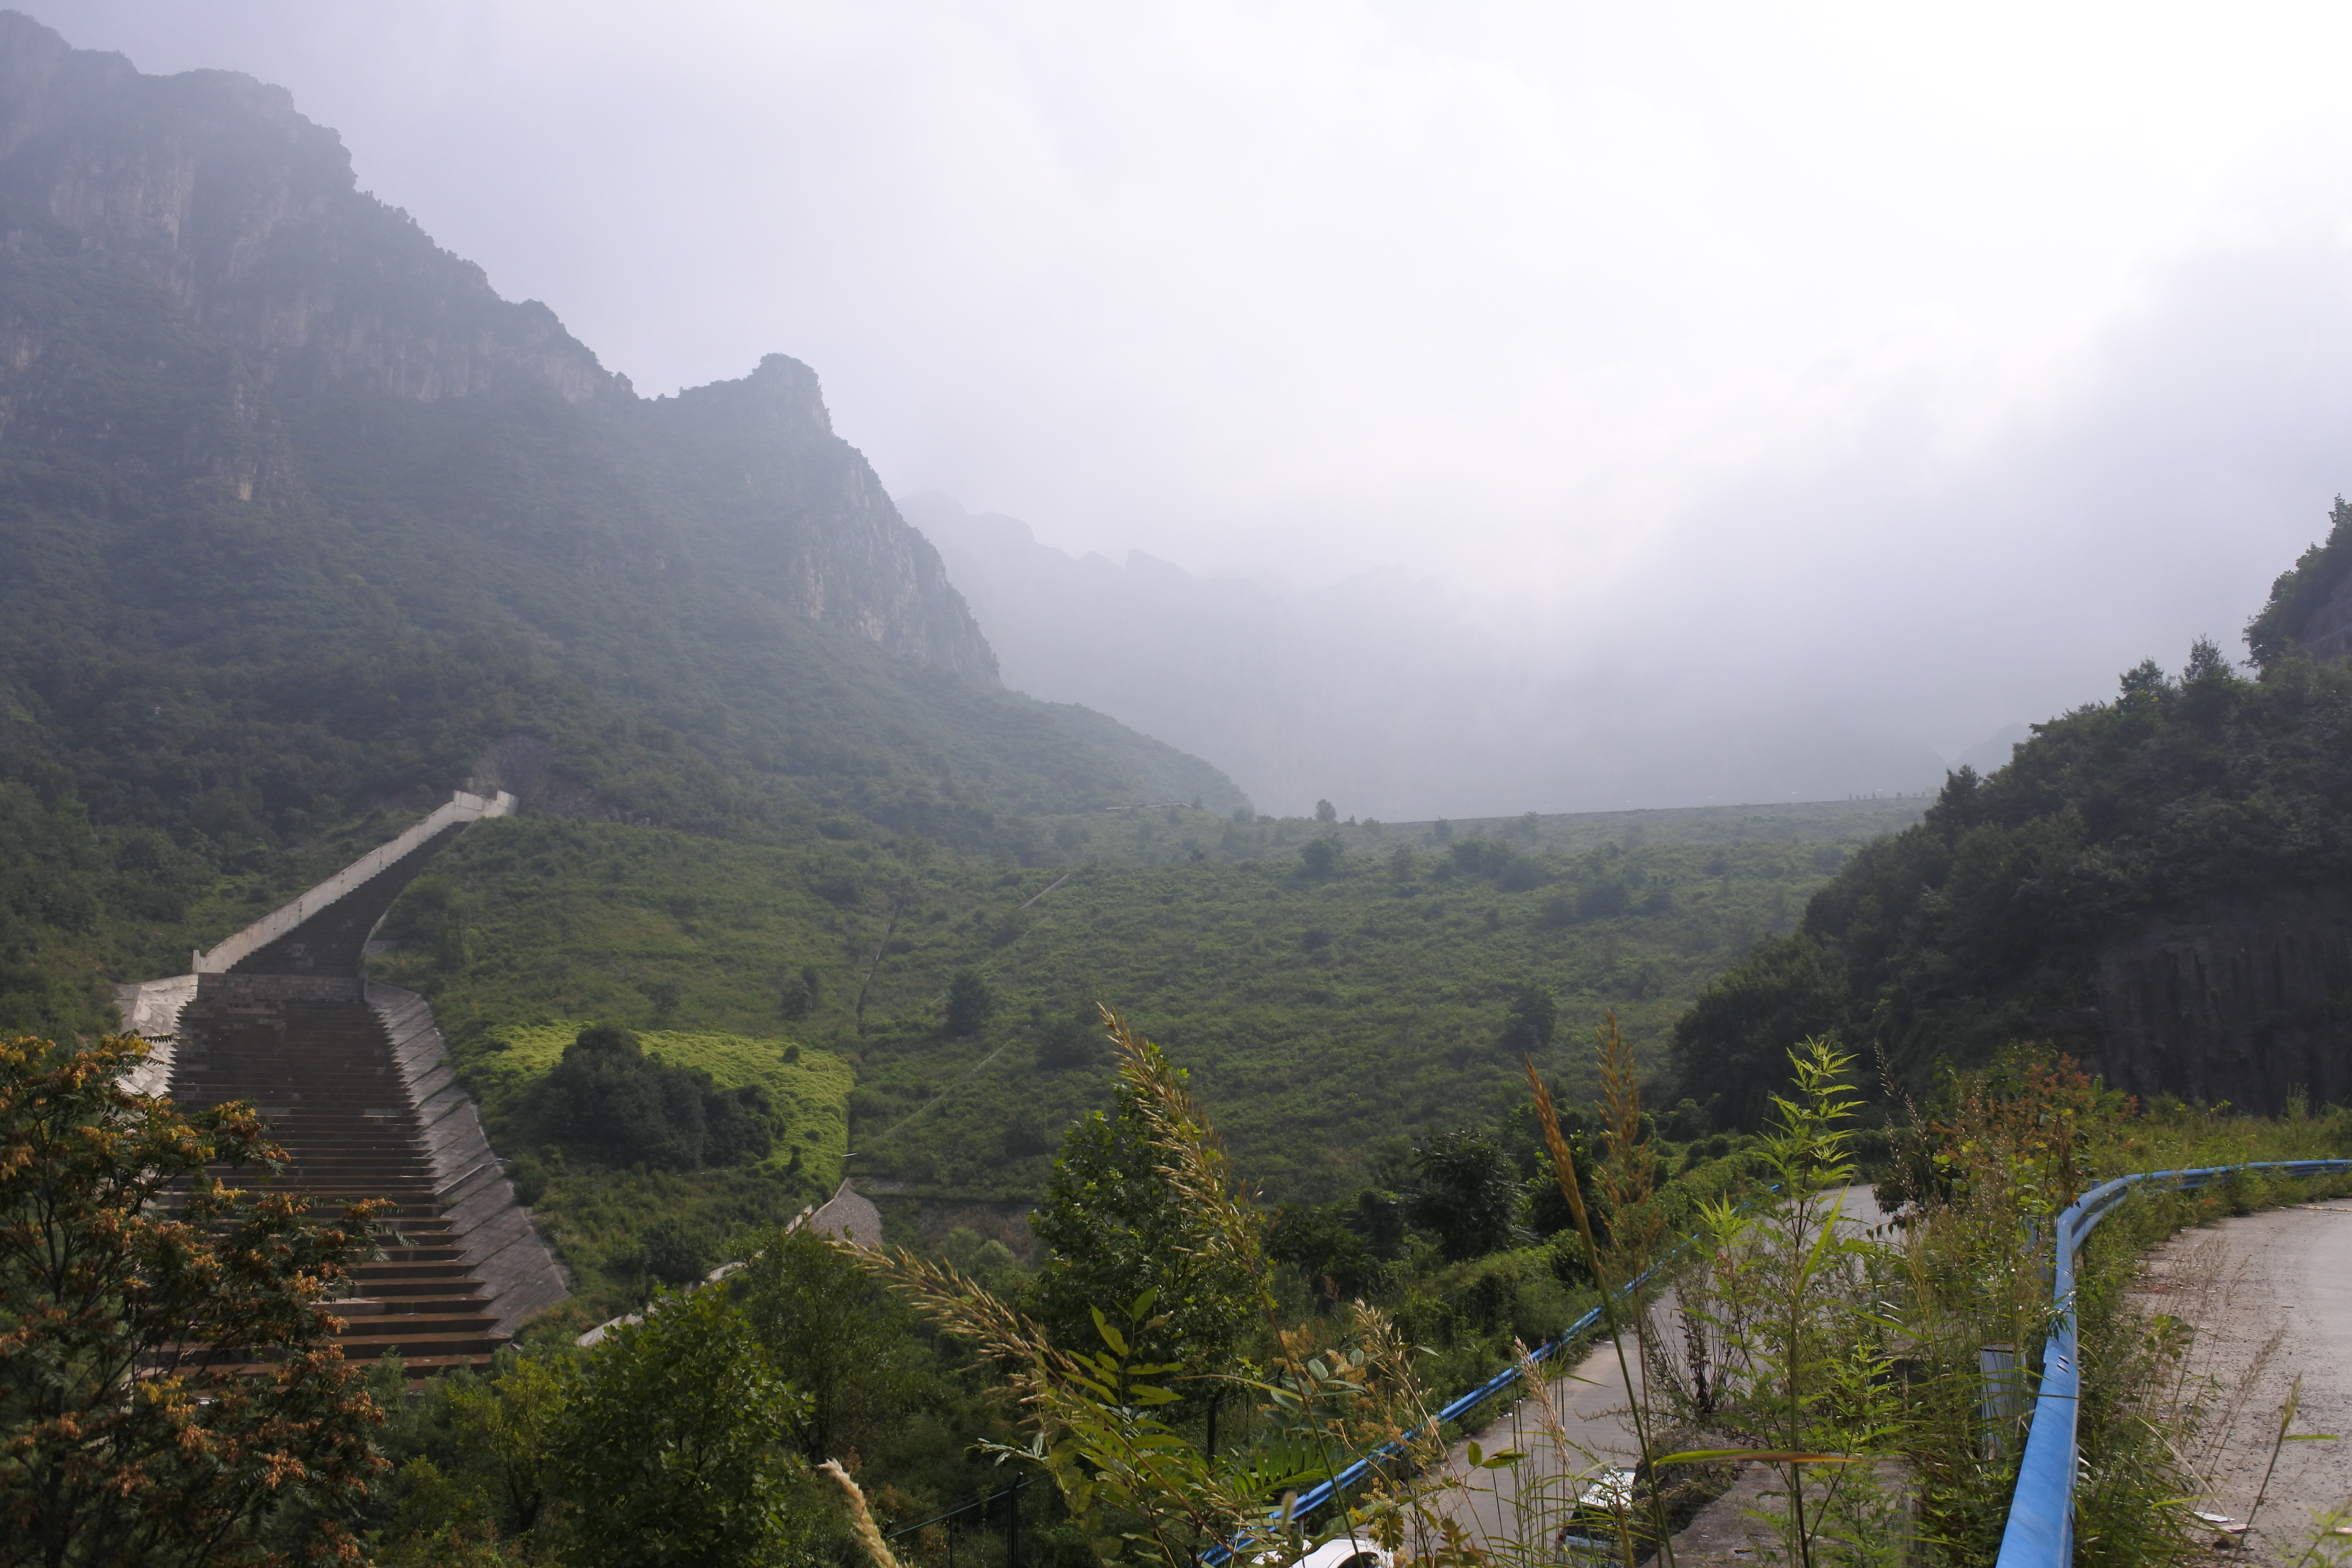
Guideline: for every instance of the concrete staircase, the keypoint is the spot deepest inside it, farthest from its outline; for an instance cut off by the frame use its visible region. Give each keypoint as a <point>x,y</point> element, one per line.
<point>350,1080</point>
<point>321,1075</point>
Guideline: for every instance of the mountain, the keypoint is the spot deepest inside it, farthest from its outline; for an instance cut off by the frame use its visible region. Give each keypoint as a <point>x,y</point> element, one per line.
<point>300,522</point>
<point>2160,885</point>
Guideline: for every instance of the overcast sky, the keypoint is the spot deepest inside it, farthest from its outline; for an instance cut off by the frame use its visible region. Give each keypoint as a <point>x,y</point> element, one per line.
<point>1921,365</point>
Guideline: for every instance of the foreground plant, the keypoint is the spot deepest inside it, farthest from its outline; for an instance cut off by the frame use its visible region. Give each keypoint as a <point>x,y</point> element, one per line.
<point>1786,1341</point>
<point>1100,1410</point>
<point>1620,1269</point>
<point>169,1381</point>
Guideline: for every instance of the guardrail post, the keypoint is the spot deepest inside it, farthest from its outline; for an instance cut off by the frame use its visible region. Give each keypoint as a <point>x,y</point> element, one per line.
<point>2001,1396</point>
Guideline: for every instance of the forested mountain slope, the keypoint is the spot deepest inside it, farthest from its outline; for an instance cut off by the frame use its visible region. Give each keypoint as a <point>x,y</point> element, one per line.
<point>2162,885</point>
<point>301,524</point>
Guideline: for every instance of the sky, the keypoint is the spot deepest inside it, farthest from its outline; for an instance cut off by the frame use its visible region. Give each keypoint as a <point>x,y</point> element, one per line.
<point>1850,375</point>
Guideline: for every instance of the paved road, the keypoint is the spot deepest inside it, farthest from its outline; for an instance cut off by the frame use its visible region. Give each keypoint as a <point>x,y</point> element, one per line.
<point>1594,1418</point>
<point>2271,1297</point>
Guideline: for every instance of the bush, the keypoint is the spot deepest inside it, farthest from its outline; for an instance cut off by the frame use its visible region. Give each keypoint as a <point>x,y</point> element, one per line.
<point>969,1004</point>
<point>609,1101</point>
<point>675,1254</point>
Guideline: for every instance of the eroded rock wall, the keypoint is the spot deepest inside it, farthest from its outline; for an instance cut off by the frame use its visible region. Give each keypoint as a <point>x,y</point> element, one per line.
<point>2246,999</point>
<point>284,282</point>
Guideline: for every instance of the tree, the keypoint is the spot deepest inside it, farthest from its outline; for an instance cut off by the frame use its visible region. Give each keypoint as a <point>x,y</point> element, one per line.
<point>1321,1244</point>
<point>1320,856</point>
<point>610,1100</point>
<point>606,1098</point>
<point>1533,1015</point>
<point>1735,1041</point>
<point>801,993</point>
<point>2301,591</point>
<point>841,1340</point>
<point>508,1423</point>
<point>969,1004</point>
<point>170,1387</point>
<point>674,1445</point>
<point>1325,813</point>
<point>1467,1195</point>
<point>1117,1228</point>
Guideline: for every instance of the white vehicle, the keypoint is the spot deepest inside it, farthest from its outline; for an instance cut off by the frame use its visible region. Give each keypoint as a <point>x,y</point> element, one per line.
<point>1601,1502</point>
<point>1346,1552</point>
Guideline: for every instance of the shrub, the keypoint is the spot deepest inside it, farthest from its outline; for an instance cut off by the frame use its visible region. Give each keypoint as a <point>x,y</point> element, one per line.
<point>609,1101</point>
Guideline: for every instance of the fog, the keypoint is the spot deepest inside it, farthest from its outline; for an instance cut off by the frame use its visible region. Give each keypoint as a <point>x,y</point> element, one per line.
<point>1601,405</point>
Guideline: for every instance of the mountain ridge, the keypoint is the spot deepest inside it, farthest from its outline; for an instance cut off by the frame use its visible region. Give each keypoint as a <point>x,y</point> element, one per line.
<point>299,518</point>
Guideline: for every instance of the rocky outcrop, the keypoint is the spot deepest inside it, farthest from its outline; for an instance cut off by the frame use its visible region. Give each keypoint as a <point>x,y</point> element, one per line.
<point>213,186</point>
<point>2246,999</point>
<point>802,518</point>
<point>213,192</point>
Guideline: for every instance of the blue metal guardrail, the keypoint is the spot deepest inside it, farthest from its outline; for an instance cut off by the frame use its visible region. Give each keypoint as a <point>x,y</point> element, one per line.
<point>2041,1530</point>
<point>1320,1495</point>
<point>1323,1493</point>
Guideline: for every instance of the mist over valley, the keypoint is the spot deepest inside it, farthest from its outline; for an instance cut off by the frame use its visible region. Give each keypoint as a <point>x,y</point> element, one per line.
<point>1515,648</point>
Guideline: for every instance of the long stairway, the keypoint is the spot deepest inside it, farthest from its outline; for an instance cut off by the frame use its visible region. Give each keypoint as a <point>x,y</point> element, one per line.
<point>321,1075</point>
<point>288,1028</point>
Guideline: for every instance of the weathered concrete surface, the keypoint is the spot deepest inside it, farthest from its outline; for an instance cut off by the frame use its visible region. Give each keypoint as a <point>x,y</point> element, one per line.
<point>151,1009</point>
<point>848,1214</point>
<point>499,1243</point>
<point>2271,1298</point>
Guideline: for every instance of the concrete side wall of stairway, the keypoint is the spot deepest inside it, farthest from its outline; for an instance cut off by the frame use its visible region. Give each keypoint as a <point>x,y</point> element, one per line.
<point>503,1246</point>
<point>151,1010</point>
<point>460,808</point>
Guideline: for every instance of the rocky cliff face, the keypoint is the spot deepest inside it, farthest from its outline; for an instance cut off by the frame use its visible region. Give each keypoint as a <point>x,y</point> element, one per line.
<point>2245,998</point>
<point>212,186</point>
<point>214,190</point>
<point>805,519</point>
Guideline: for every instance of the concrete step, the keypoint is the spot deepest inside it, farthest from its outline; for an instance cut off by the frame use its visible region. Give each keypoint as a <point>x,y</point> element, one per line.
<point>322,1076</point>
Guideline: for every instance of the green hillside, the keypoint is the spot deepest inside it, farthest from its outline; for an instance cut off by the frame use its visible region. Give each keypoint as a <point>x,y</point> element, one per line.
<point>2208,797</point>
<point>1326,1012</point>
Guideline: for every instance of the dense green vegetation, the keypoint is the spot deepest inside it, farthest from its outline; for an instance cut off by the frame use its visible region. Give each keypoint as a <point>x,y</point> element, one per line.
<point>210,688</point>
<point>644,1169</point>
<point>1327,1015</point>
<point>1979,925</point>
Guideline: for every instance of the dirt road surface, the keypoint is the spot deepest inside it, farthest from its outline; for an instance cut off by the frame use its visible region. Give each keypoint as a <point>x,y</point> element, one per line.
<point>2271,1298</point>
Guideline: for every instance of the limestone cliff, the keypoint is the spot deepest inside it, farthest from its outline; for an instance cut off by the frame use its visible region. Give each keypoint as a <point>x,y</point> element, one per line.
<point>2246,999</point>
<point>801,517</point>
<point>213,186</point>
<point>214,190</point>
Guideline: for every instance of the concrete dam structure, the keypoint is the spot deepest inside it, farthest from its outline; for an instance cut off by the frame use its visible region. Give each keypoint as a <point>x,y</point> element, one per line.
<point>352,1080</point>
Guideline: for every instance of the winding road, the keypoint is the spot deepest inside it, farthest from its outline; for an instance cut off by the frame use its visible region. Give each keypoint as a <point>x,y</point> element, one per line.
<point>1594,1416</point>
<point>2270,1296</point>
